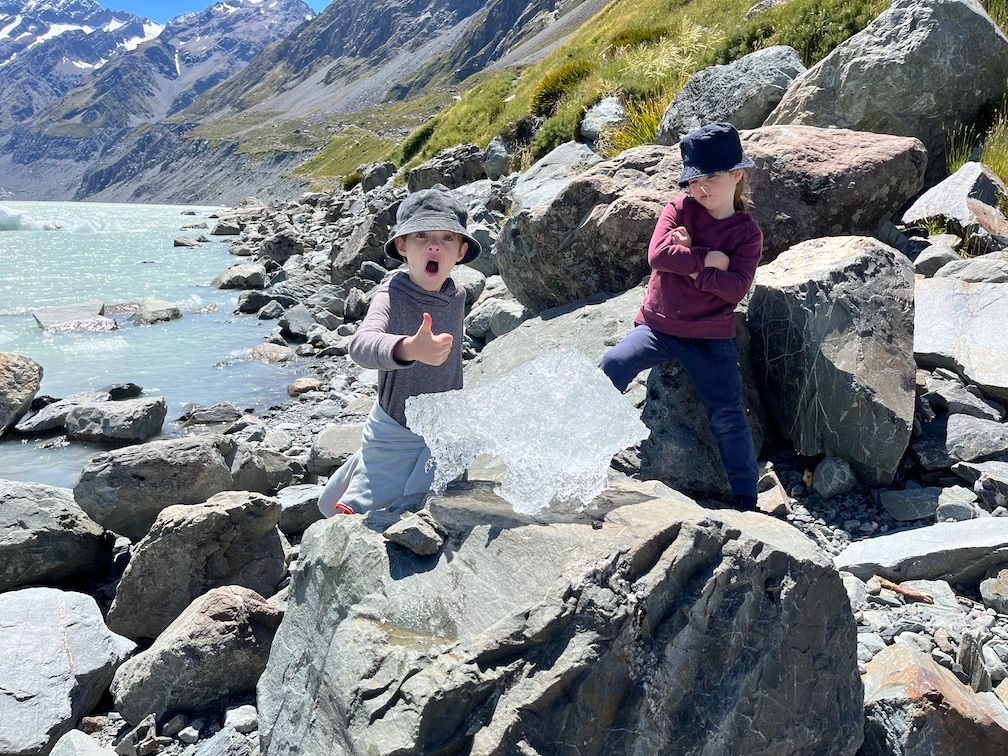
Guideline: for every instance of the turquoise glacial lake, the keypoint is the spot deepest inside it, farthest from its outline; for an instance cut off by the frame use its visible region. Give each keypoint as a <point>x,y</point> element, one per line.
<point>59,253</point>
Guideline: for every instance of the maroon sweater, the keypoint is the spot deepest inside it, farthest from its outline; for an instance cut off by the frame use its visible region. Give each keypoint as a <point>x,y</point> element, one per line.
<point>703,308</point>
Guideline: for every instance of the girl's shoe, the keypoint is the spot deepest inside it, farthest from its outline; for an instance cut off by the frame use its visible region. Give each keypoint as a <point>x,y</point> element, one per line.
<point>745,503</point>
<point>342,508</point>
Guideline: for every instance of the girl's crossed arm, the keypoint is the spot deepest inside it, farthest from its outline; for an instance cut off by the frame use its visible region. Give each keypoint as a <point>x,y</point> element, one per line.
<point>732,284</point>
<point>667,254</point>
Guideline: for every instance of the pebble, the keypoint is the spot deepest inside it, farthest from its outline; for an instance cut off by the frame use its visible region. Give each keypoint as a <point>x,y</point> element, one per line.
<point>874,586</point>
<point>188,735</point>
<point>244,719</point>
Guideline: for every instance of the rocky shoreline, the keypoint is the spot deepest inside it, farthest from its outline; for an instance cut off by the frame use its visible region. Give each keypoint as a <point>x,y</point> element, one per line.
<point>865,603</point>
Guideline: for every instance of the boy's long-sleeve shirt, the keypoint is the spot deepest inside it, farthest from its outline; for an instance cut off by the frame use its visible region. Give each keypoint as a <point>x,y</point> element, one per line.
<point>703,307</point>
<point>396,311</point>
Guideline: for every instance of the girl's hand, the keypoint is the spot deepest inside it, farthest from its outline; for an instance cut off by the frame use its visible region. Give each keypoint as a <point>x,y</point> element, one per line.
<point>681,236</point>
<point>424,346</point>
<point>717,259</point>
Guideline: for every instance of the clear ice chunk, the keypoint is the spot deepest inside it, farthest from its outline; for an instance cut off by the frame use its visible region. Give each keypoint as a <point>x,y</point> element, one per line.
<point>555,422</point>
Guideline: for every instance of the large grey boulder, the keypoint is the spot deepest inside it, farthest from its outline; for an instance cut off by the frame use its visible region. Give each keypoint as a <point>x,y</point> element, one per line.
<point>123,490</point>
<point>231,539</point>
<point>281,246</point>
<point>57,658</point>
<point>893,76</point>
<point>451,167</point>
<point>241,276</point>
<point>366,242</point>
<point>216,649</point>
<point>548,176</point>
<point>593,236</point>
<point>957,552</point>
<point>374,175</point>
<point>742,93</point>
<point>914,705</point>
<point>497,158</point>
<point>832,333</point>
<point>680,450</point>
<point>960,326</point>
<point>595,642</point>
<point>45,536</point>
<point>129,420</point>
<point>948,198</point>
<point>20,378</point>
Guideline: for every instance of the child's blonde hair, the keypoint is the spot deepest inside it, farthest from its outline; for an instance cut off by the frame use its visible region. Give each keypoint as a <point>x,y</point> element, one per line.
<point>743,192</point>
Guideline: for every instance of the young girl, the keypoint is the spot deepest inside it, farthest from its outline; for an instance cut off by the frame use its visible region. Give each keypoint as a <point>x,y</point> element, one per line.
<point>703,256</point>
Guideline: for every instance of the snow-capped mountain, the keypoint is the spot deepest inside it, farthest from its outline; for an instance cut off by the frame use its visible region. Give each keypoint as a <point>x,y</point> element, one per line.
<point>194,52</point>
<point>49,46</point>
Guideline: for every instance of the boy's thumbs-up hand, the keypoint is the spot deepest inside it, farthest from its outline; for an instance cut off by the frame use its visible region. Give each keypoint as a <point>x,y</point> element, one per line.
<point>424,346</point>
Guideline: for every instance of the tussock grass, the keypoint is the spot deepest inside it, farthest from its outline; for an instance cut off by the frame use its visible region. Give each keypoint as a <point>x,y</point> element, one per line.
<point>959,145</point>
<point>645,62</point>
<point>994,153</point>
<point>998,11</point>
<point>812,27</point>
<point>640,127</point>
<point>556,85</point>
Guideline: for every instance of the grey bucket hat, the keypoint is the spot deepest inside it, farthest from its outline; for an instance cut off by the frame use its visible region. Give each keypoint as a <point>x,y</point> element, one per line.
<point>431,210</point>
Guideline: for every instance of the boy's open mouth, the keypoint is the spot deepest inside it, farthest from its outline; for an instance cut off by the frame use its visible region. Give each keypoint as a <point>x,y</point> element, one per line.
<point>432,266</point>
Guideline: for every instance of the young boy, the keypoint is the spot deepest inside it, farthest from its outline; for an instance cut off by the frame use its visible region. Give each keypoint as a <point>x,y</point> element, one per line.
<point>412,334</point>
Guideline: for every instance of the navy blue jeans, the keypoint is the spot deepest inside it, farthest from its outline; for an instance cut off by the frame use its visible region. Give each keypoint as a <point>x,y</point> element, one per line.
<point>712,365</point>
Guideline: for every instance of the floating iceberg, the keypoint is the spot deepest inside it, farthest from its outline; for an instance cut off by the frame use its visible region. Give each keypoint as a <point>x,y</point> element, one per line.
<point>555,422</point>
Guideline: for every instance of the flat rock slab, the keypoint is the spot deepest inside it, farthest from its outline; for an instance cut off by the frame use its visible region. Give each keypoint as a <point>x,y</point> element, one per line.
<point>77,743</point>
<point>961,326</point>
<point>947,199</point>
<point>957,552</point>
<point>522,635</point>
<point>57,658</point>
<point>84,316</point>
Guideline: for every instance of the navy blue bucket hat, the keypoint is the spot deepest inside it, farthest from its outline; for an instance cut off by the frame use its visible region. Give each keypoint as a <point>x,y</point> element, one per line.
<point>431,210</point>
<point>713,148</point>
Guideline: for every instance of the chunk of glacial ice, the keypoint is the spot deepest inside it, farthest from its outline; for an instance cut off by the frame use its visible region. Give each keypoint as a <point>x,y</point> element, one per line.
<point>555,422</point>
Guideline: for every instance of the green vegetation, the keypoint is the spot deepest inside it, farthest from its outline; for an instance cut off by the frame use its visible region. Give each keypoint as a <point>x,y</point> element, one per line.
<point>415,141</point>
<point>959,144</point>
<point>998,11</point>
<point>556,85</point>
<point>640,127</point>
<point>812,27</point>
<point>643,35</point>
<point>351,180</point>
<point>346,150</point>
<point>995,150</point>
<point>642,62</point>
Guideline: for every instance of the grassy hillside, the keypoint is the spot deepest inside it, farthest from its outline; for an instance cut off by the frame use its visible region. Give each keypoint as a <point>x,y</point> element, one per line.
<point>642,50</point>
